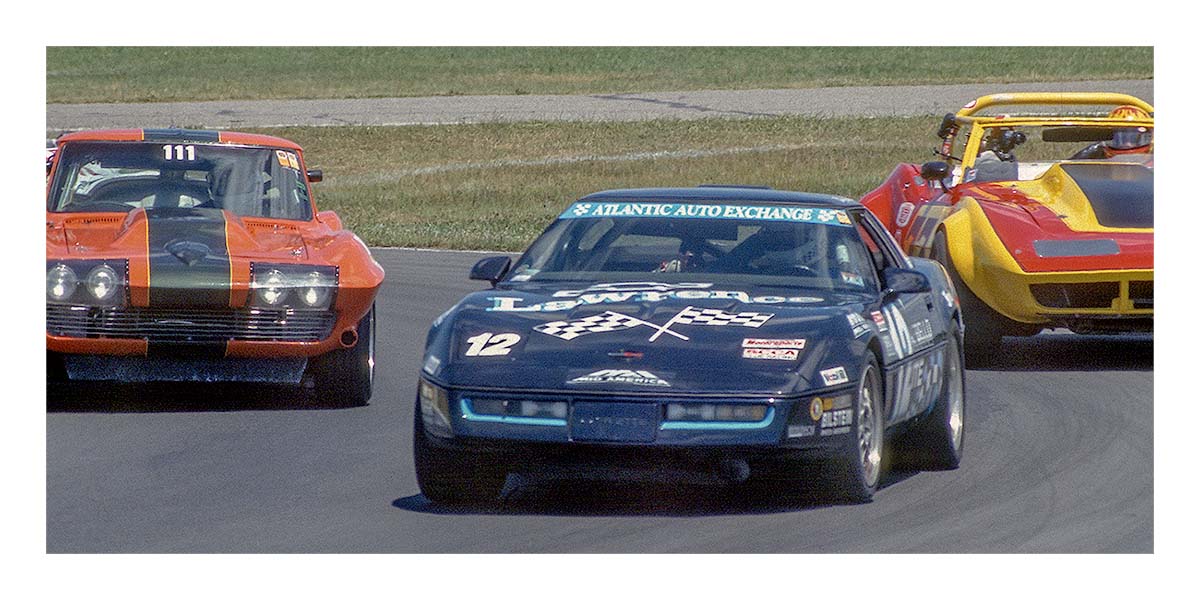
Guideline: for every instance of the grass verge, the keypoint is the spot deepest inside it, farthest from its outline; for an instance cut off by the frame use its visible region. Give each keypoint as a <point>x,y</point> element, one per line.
<point>496,186</point>
<point>159,74</point>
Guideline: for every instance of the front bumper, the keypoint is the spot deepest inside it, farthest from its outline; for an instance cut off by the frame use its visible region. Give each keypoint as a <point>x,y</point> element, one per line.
<point>632,421</point>
<point>192,369</point>
<point>1061,296</point>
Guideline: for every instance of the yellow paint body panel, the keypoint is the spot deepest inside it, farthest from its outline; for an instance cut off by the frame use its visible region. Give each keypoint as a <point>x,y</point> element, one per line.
<point>992,274</point>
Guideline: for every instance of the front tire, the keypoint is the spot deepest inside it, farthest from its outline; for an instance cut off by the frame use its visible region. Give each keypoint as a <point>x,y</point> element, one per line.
<point>861,467</point>
<point>447,476</point>
<point>346,377</point>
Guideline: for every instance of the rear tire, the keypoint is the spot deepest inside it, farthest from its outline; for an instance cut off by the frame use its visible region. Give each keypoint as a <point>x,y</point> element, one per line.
<point>860,469</point>
<point>936,442</point>
<point>448,476</point>
<point>984,327</point>
<point>346,377</point>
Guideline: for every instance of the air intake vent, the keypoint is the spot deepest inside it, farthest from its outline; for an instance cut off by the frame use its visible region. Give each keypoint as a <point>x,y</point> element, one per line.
<point>1076,295</point>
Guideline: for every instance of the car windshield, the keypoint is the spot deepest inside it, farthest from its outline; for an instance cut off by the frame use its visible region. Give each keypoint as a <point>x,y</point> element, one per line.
<point>793,246</point>
<point>1025,152</point>
<point>123,176</point>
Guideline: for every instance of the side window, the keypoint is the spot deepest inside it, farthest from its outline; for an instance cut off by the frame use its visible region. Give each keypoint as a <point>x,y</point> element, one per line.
<point>884,251</point>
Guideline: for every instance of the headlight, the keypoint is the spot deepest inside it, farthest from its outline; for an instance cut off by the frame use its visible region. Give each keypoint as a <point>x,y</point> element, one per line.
<point>102,282</point>
<point>293,286</point>
<point>435,408</point>
<point>716,412</point>
<point>269,290</point>
<point>61,282</point>
<point>316,293</point>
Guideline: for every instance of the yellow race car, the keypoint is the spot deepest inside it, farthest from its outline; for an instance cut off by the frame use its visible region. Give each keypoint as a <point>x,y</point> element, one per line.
<point>1062,236</point>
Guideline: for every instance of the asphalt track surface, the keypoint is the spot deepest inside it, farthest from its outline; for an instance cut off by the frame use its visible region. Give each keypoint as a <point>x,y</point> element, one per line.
<point>856,101</point>
<point>1059,458</point>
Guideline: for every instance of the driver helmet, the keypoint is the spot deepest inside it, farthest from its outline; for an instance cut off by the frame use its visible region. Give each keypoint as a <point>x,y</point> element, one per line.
<point>1128,140</point>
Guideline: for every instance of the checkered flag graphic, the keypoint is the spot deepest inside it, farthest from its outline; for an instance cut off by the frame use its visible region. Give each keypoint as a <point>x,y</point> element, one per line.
<point>607,321</point>
<point>713,316</point>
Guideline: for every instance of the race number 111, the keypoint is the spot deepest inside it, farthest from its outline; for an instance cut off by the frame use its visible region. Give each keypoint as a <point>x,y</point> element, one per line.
<point>179,152</point>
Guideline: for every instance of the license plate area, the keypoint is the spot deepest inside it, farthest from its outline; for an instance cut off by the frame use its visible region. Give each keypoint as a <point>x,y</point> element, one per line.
<point>614,421</point>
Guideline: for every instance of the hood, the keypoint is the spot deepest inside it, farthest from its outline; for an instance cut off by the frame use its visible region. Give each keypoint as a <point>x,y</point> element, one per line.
<point>646,338</point>
<point>1076,216</point>
<point>105,235</point>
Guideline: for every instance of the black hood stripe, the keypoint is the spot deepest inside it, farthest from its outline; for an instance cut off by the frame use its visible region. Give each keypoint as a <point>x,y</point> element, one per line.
<point>1121,195</point>
<point>181,135</point>
<point>189,268</point>
<point>189,259</point>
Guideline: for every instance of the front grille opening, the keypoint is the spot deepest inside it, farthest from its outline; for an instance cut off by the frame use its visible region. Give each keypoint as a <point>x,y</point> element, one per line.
<point>1141,293</point>
<point>1076,295</point>
<point>189,325</point>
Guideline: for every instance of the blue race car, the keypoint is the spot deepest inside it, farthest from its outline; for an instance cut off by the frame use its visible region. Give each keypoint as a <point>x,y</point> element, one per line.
<point>742,331</point>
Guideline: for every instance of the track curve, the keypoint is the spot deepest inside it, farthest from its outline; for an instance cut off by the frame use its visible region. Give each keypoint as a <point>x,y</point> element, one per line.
<point>1059,458</point>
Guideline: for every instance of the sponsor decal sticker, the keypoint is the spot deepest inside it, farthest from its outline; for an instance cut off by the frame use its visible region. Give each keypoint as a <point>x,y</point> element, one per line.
<point>904,214</point>
<point>771,353</point>
<point>880,322</point>
<point>834,376</point>
<point>626,293</point>
<point>615,321</point>
<point>794,344</point>
<point>794,431</point>
<point>792,214</point>
<point>852,278</point>
<point>836,418</point>
<point>836,430</point>
<point>922,331</point>
<point>858,325</point>
<point>628,376</point>
<point>815,409</point>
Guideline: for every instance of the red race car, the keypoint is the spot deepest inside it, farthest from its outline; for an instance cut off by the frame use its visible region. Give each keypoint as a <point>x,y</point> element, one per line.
<point>183,255</point>
<point>1061,236</point>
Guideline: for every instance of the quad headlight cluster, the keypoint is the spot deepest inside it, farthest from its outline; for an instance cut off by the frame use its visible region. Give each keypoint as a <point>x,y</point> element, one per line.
<point>292,286</point>
<point>88,282</point>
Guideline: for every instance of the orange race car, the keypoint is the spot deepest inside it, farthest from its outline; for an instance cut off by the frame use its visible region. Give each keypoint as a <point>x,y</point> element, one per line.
<point>183,255</point>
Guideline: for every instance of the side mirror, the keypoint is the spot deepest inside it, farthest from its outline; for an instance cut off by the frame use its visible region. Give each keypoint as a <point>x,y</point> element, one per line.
<point>935,170</point>
<point>331,219</point>
<point>904,281</point>
<point>314,175</point>
<point>491,269</point>
<point>938,171</point>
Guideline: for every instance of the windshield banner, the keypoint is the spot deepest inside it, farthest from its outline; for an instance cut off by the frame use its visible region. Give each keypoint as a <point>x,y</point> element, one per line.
<point>790,214</point>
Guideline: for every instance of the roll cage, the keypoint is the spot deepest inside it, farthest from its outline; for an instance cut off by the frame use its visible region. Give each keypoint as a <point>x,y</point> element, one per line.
<point>977,125</point>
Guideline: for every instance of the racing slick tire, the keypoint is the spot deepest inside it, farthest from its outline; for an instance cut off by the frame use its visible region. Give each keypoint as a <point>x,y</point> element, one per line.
<point>985,327</point>
<point>447,476</point>
<point>345,377</point>
<point>935,443</point>
<point>858,471</point>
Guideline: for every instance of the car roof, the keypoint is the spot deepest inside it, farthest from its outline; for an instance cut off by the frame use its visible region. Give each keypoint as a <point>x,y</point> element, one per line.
<point>178,135</point>
<point>723,193</point>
